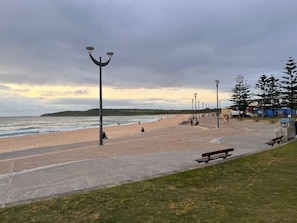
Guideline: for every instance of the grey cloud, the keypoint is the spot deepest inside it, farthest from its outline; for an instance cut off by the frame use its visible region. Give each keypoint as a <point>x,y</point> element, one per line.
<point>18,106</point>
<point>168,43</point>
<point>161,38</point>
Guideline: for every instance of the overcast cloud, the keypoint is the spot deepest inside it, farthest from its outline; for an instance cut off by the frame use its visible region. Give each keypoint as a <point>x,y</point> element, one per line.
<point>157,44</point>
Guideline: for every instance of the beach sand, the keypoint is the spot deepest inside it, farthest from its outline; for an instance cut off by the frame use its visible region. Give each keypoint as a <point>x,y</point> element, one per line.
<point>85,135</point>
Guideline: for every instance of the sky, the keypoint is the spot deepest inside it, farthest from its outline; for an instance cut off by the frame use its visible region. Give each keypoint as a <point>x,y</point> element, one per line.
<point>165,51</point>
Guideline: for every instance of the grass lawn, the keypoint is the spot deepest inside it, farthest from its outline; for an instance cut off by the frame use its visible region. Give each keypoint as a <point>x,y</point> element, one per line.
<point>256,188</point>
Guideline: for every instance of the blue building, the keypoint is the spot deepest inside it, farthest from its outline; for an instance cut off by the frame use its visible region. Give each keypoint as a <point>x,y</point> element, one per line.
<point>281,112</point>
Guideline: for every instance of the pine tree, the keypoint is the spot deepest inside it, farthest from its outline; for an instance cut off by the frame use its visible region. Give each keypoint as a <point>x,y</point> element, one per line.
<point>262,86</point>
<point>289,84</point>
<point>274,92</point>
<point>268,92</point>
<point>241,94</point>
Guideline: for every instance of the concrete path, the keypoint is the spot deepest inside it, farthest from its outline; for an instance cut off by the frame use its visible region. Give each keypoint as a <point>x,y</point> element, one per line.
<point>40,173</point>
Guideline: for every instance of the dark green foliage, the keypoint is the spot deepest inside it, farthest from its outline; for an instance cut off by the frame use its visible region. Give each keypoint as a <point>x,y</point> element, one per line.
<point>289,84</point>
<point>118,112</point>
<point>241,94</point>
<point>268,92</point>
<point>128,112</point>
<point>274,91</point>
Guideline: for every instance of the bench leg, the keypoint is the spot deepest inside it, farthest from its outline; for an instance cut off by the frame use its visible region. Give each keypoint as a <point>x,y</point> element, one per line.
<point>226,155</point>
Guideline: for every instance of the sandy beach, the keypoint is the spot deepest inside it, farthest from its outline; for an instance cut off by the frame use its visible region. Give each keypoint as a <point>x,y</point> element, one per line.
<point>85,135</point>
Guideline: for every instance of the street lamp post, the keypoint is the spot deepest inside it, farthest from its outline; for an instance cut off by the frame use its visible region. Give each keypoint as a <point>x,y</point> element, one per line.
<point>100,64</point>
<point>193,107</point>
<point>195,94</point>
<point>217,84</point>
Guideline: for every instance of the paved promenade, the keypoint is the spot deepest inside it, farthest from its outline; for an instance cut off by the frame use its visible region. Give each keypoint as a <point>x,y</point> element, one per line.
<point>38,173</point>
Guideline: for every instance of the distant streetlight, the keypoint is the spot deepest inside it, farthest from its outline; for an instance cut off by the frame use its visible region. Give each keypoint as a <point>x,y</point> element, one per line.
<point>100,64</point>
<point>195,94</point>
<point>217,84</point>
<point>193,107</point>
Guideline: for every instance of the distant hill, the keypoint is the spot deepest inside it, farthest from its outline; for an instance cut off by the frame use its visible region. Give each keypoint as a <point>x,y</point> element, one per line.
<point>118,112</point>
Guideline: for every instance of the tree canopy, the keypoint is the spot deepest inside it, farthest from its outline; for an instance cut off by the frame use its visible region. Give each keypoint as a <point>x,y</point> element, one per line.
<point>241,94</point>
<point>289,84</point>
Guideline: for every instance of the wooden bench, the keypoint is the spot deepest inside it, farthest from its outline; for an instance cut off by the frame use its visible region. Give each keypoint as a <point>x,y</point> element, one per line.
<point>224,153</point>
<point>275,140</point>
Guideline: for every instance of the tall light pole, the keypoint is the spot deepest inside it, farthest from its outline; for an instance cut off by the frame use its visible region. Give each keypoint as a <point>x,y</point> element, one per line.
<point>193,107</point>
<point>100,64</point>
<point>195,94</point>
<point>217,84</point>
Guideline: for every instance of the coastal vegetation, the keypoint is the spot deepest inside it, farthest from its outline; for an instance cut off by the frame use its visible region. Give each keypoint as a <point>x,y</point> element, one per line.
<point>122,112</point>
<point>255,188</point>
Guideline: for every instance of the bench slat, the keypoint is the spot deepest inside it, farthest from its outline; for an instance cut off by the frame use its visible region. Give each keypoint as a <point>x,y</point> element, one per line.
<point>217,152</point>
<point>224,153</point>
<point>221,155</point>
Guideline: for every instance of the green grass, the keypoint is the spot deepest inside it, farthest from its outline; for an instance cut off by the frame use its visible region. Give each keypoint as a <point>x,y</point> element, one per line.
<point>256,188</point>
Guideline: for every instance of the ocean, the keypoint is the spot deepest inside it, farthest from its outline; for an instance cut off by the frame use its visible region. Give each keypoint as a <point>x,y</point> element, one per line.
<point>19,126</point>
